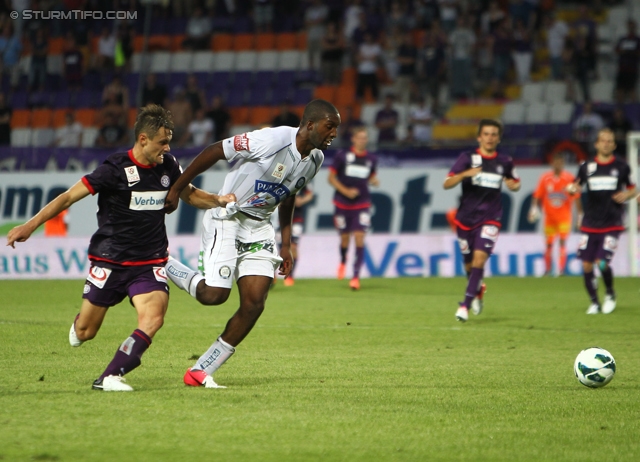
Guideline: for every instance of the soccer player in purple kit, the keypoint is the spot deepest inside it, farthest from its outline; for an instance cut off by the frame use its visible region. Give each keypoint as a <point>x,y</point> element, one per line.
<point>351,173</point>
<point>479,215</point>
<point>304,196</point>
<point>609,185</point>
<point>129,250</point>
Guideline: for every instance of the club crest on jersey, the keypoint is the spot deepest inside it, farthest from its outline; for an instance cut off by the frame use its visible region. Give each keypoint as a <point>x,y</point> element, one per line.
<point>300,182</point>
<point>591,168</point>
<point>614,172</point>
<point>351,157</point>
<point>278,172</point>
<point>476,160</point>
<point>165,181</point>
<point>499,169</point>
<point>132,175</point>
<point>241,142</point>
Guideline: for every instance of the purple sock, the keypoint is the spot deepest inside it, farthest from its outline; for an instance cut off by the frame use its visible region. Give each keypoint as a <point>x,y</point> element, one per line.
<point>475,279</point>
<point>591,288</point>
<point>343,254</point>
<point>359,261</point>
<point>128,356</point>
<point>607,275</point>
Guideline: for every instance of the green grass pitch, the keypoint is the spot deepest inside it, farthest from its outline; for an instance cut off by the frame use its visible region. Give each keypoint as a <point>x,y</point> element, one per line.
<point>385,373</point>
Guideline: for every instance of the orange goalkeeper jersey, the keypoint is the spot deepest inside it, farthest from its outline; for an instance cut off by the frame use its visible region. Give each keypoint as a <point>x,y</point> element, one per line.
<point>553,197</point>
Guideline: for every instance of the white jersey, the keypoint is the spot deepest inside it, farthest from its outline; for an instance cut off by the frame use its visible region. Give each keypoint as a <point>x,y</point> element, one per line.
<point>268,169</point>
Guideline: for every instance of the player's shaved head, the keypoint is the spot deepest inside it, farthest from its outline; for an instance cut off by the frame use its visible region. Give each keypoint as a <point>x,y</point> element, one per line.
<point>151,119</point>
<point>316,110</point>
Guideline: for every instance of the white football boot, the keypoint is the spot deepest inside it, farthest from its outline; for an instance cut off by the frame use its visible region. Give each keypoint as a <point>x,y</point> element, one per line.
<point>594,308</point>
<point>112,383</point>
<point>609,304</point>
<point>462,314</point>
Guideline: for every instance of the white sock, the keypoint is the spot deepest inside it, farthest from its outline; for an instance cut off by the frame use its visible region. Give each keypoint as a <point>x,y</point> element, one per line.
<point>183,276</point>
<point>215,356</point>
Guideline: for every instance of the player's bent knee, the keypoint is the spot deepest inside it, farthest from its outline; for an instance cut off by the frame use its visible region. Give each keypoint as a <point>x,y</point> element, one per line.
<point>212,295</point>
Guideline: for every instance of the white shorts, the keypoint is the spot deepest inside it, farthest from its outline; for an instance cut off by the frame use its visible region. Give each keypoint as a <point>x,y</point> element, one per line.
<point>224,257</point>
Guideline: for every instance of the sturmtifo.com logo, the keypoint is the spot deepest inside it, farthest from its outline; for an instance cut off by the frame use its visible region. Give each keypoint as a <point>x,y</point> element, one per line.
<point>74,14</point>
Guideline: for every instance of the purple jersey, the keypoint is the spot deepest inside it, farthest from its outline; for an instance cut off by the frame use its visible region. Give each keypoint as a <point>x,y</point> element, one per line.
<point>299,212</point>
<point>354,171</point>
<point>481,202</point>
<point>601,213</point>
<point>131,230</point>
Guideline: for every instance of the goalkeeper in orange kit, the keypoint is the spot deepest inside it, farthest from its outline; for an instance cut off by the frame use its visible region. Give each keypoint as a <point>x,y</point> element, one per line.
<point>551,196</point>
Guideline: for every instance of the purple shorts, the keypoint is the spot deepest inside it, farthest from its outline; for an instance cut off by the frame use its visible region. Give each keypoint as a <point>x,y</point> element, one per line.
<point>348,221</point>
<point>598,246</point>
<point>108,287</point>
<point>482,237</point>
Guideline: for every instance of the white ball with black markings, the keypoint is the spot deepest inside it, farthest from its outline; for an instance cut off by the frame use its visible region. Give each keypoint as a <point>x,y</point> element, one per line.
<point>594,367</point>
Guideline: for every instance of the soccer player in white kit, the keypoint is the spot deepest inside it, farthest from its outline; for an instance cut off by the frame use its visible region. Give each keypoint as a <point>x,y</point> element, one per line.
<point>238,241</point>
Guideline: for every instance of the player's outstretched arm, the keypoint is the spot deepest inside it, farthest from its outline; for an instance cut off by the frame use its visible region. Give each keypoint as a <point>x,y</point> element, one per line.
<point>201,199</point>
<point>285,214</point>
<point>207,158</point>
<point>62,202</point>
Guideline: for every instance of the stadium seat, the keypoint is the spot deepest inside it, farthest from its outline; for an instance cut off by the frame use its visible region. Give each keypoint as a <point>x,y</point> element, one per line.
<point>140,62</point>
<point>18,99</point>
<point>20,118</point>
<point>267,61</point>
<point>537,113</point>
<point>560,113</point>
<point>260,115</point>
<point>59,117</point>
<point>89,137</point>
<point>246,60</point>
<point>555,92</point>
<point>286,41</point>
<point>532,92</point>
<point>222,42</point>
<point>369,112</point>
<point>237,129</point>
<point>176,42</point>
<point>86,116</point>
<point>160,61</point>
<point>61,99</point>
<point>243,42</point>
<point>181,61</point>
<point>55,64</point>
<point>20,137</point>
<point>202,61</point>
<point>345,95</point>
<point>326,92</point>
<point>513,112</point>
<point>41,118</point>
<point>259,95</point>
<point>289,60</point>
<point>239,115</point>
<point>602,91</point>
<point>42,137</point>
<point>265,41</point>
<point>224,61</point>
<point>56,46</point>
<point>302,41</point>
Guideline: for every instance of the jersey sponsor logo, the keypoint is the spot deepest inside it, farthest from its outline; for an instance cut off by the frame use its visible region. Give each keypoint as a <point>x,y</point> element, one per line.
<point>610,244</point>
<point>241,142</point>
<point>98,276</point>
<point>160,274</point>
<point>177,273</point>
<point>133,177</point>
<point>476,160</point>
<point>591,168</point>
<point>487,180</point>
<point>464,246</point>
<point>490,232</point>
<point>254,247</point>
<point>278,172</point>
<point>357,171</point>
<point>603,183</point>
<point>276,190</point>
<point>165,181</point>
<point>147,200</point>
<point>584,240</point>
<point>127,345</point>
<point>365,219</point>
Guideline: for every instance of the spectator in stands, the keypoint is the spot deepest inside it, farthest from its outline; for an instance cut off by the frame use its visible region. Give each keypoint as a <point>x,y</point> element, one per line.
<point>586,128</point>
<point>220,117</point>
<point>397,18</point>
<point>113,133</point>
<point>124,48</point>
<point>420,119</point>
<point>351,17</point>
<point>111,108</point>
<point>10,50</point>
<point>628,51</point>
<point>432,65</point>
<point>70,134</point>
<point>557,33</point>
<point>181,112</point>
<point>5,122</point>
<point>332,54</point>
<point>580,58</point>
<point>349,122</point>
<point>106,49</point>
<point>263,15</point>
<point>523,10</point>
<point>449,14</point>
<point>522,53</point>
<point>491,18</point>
<point>585,27</point>
<point>200,131</point>
<point>116,92</point>
<point>38,66</point>
<point>286,117</point>
<point>387,120</point>
<point>462,42</point>
<point>153,92</point>
<point>314,19</point>
<point>500,42</point>
<point>369,58</point>
<point>195,94</point>
<point>73,63</point>
<point>407,58</point>
<point>620,125</point>
<point>198,31</point>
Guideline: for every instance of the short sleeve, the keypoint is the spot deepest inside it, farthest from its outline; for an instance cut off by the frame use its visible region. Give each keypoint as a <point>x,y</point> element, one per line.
<point>106,176</point>
<point>581,176</point>
<point>510,170</point>
<point>540,190</point>
<point>338,162</point>
<point>625,177</point>
<point>258,144</point>
<point>461,164</point>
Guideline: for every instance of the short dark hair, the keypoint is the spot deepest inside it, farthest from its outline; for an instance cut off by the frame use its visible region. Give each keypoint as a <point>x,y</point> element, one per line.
<point>490,123</point>
<point>316,110</point>
<point>152,118</point>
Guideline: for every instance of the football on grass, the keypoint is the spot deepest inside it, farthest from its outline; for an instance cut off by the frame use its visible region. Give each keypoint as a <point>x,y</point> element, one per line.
<point>595,367</point>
